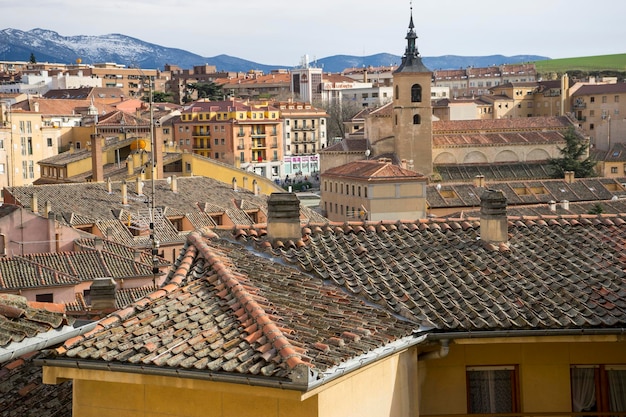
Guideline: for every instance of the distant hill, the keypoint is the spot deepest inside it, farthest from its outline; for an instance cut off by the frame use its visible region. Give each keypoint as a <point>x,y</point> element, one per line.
<point>616,62</point>
<point>49,46</point>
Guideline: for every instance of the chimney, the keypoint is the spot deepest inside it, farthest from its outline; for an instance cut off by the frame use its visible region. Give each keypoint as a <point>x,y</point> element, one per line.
<point>102,293</point>
<point>124,193</point>
<point>283,217</point>
<point>569,177</point>
<point>234,184</point>
<point>98,243</point>
<point>565,204</point>
<point>109,186</point>
<point>255,187</point>
<point>48,208</point>
<point>403,164</point>
<point>174,184</point>
<point>479,181</point>
<point>552,205</point>
<point>137,255</point>
<point>34,204</point>
<point>493,221</point>
<point>97,164</point>
<point>71,148</point>
<point>139,186</point>
<point>130,166</point>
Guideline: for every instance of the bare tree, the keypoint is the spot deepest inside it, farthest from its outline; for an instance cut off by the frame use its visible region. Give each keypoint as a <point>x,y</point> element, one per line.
<point>338,113</point>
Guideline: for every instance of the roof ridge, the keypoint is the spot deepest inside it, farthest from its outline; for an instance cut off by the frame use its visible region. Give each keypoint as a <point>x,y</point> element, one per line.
<point>263,320</point>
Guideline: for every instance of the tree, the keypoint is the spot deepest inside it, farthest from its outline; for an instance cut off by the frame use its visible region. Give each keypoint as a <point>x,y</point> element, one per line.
<point>161,97</point>
<point>210,90</point>
<point>573,157</point>
<point>32,59</point>
<point>338,113</point>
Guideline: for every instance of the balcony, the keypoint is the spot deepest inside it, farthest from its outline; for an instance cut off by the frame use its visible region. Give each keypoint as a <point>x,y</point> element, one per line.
<point>306,127</point>
<point>580,105</point>
<point>258,135</point>
<point>201,132</point>
<point>240,147</point>
<point>258,145</point>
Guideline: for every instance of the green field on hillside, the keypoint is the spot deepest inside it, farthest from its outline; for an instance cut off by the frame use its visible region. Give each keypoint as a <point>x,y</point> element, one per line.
<point>586,64</point>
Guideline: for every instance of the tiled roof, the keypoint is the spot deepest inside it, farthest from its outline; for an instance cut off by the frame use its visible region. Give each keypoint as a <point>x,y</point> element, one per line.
<point>494,172</point>
<point>24,394</point>
<point>226,310</point>
<point>69,268</point>
<point>21,319</point>
<point>98,206</point>
<point>348,145</point>
<point>123,298</point>
<point>372,170</point>
<point>589,89</point>
<point>346,290</point>
<point>553,273</point>
<point>501,125</point>
<point>525,192</point>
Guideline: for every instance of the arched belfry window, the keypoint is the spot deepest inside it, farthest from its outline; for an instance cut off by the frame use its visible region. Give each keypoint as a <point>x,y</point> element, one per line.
<point>417,119</point>
<point>416,93</point>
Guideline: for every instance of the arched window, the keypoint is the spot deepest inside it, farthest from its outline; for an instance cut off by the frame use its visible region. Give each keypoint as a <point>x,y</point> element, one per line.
<point>417,119</point>
<point>416,93</point>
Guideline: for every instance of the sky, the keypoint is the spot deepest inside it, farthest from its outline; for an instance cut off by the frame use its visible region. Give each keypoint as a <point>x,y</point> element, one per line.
<point>281,32</point>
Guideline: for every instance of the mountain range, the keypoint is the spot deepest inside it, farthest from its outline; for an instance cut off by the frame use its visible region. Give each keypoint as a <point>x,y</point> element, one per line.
<point>49,46</point>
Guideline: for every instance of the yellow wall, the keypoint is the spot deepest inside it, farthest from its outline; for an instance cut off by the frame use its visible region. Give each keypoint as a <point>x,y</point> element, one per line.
<point>544,372</point>
<point>225,173</point>
<point>387,388</point>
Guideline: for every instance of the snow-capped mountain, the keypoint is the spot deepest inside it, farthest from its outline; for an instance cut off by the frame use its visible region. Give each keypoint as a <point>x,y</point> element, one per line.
<point>49,46</point>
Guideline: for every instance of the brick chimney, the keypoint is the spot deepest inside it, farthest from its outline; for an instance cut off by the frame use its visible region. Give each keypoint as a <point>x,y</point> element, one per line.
<point>102,293</point>
<point>493,220</point>
<point>283,217</point>
<point>97,166</point>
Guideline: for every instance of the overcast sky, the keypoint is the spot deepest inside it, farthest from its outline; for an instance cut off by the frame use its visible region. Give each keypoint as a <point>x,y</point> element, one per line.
<point>280,32</point>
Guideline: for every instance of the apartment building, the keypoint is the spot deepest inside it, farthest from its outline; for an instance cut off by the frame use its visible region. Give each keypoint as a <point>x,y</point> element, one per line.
<point>235,132</point>
<point>304,135</point>
<point>253,86</point>
<point>23,142</point>
<point>178,80</point>
<point>601,111</point>
<point>472,81</point>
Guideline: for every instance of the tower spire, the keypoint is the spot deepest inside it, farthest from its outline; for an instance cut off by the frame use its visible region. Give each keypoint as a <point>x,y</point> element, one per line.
<point>411,60</point>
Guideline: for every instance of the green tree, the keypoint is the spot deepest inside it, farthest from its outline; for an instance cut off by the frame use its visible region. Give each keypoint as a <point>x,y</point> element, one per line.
<point>161,97</point>
<point>32,59</point>
<point>210,90</point>
<point>573,157</point>
<point>596,209</point>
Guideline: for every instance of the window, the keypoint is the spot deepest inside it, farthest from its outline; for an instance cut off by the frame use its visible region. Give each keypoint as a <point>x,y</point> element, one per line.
<point>416,93</point>
<point>1,143</point>
<point>492,389</point>
<point>592,99</point>
<point>613,170</point>
<point>598,388</point>
<point>49,142</point>
<point>417,119</point>
<point>591,126</point>
<point>616,99</point>
<point>24,170</point>
<point>31,169</point>
<point>604,99</point>
<point>2,169</point>
<point>44,298</point>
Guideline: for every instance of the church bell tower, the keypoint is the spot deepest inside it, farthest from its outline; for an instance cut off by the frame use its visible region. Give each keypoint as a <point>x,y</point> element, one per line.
<point>412,109</point>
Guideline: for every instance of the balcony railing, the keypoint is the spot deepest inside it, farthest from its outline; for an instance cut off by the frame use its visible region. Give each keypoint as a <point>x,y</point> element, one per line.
<point>241,147</point>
